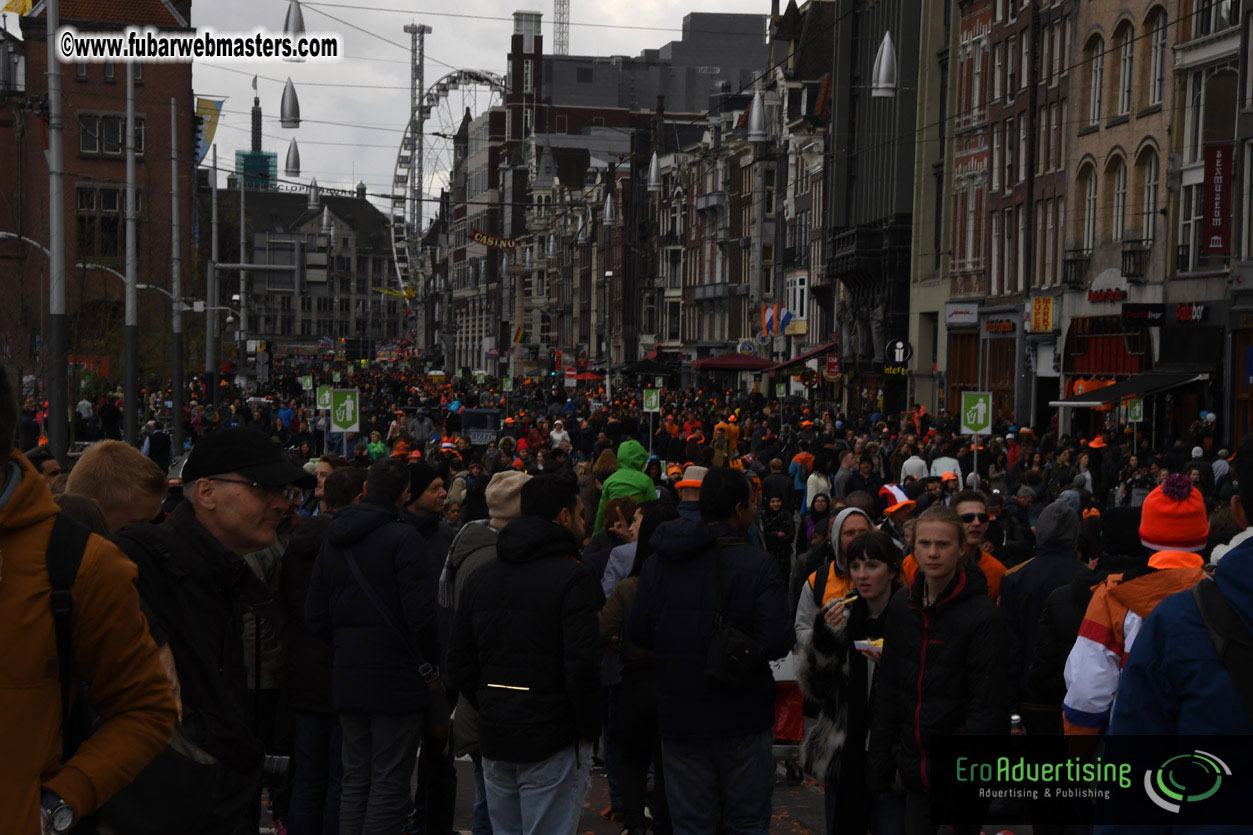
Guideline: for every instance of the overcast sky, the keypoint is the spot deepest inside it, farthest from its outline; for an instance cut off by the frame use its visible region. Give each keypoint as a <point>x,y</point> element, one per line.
<point>370,116</point>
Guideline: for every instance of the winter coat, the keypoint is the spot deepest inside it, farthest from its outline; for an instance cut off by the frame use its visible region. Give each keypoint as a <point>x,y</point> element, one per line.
<point>113,654</point>
<point>525,649</point>
<point>1025,591</point>
<point>837,584</point>
<point>636,661</point>
<point>944,670</point>
<point>374,670</point>
<point>777,529</point>
<point>832,673</point>
<point>474,546</point>
<point>1173,682</point>
<point>307,659</point>
<point>629,480</point>
<point>674,615</point>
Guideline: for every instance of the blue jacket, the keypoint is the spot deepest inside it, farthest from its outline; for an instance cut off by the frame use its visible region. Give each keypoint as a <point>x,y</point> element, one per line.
<point>372,670</point>
<point>673,615</point>
<point>1173,682</point>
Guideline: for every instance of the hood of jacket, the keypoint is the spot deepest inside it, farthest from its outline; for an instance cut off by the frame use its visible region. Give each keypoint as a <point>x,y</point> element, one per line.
<point>531,538</point>
<point>838,525</point>
<point>472,537</point>
<point>1058,526</point>
<point>1234,576</point>
<point>965,583</point>
<point>632,456</point>
<point>25,499</point>
<point>356,521</point>
<point>683,539</point>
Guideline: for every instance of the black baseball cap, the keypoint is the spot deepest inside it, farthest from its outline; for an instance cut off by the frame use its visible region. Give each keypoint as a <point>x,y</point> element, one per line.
<point>247,452</point>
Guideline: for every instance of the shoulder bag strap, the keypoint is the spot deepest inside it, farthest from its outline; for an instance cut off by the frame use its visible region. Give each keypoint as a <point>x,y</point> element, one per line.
<point>424,669</point>
<point>1231,639</point>
<point>66,545</point>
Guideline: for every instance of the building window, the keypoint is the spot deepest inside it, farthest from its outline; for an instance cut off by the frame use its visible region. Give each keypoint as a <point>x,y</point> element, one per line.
<point>1120,199</point>
<point>80,70</point>
<point>88,134</point>
<point>996,157</point>
<point>997,71</point>
<point>1042,149</point>
<point>1011,68</point>
<point>528,79</point>
<point>1125,45</point>
<point>1190,228</point>
<point>1096,80</point>
<point>1023,161</point>
<point>797,295</point>
<point>1046,65</point>
<point>110,71</point>
<point>1089,211</point>
<point>1050,241</point>
<point>1157,63</point>
<point>1148,231</point>
<point>99,222</point>
<point>996,253</point>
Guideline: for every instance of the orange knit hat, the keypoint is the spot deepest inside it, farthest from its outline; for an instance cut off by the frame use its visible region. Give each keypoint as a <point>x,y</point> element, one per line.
<point>1173,517</point>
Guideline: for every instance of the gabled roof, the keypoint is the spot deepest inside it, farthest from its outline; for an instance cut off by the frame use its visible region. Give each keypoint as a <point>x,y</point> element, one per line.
<point>159,13</point>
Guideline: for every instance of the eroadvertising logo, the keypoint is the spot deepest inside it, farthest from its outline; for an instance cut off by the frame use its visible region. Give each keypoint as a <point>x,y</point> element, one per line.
<point>1185,778</point>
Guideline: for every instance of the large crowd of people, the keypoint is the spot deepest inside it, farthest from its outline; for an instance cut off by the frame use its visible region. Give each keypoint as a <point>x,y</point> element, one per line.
<point>286,622</point>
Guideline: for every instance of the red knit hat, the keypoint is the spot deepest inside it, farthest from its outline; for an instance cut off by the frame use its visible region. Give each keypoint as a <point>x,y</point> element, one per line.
<point>1173,517</point>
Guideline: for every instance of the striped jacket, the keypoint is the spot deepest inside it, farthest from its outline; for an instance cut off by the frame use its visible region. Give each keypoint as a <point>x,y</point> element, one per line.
<point>1118,608</point>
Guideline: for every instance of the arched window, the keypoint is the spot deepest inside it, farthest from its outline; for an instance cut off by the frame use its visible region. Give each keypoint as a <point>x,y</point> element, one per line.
<point>1096,79</point>
<point>1089,211</point>
<point>1125,58</point>
<point>1120,199</point>
<point>1157,57</point>
<point>1148,182</point>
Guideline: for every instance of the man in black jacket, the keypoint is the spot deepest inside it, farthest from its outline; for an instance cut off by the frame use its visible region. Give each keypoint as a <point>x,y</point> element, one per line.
<point>716,741</point>
<point>381,619</point>
<point>524,653</point>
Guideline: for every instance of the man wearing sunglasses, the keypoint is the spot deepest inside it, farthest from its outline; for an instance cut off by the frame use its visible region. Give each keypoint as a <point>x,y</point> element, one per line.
<point>972,507</point>
<point>195,584</point>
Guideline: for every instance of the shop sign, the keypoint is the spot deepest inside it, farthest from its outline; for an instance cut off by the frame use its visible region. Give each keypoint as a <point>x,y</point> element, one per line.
<point>961,313</point>
<point>1189,313</point>
<point>1216,231</point>
<point>492,241</point>
<point>999,326</point>
<point>1149,315</point>
<point>1107,295</point>
<point>1042,314</point>
<point>833,366</point>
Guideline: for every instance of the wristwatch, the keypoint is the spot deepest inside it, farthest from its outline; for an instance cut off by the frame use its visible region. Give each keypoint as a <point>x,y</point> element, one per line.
<point>58,815</point>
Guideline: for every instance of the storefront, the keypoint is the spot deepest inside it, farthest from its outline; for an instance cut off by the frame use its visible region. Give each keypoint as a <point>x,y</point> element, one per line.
<point>1194,337</point>
<point>1100,350</point>
<point>1043,357</point>
<point>961,320</point>
<point>1000,331</point>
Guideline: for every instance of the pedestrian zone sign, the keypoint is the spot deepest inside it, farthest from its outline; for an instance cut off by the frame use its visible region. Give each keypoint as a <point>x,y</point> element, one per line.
<point>976,414</point>
<point>480,377</point>
<point>1135,410</point>
<point>780,389</point>
<point>306,383</point>
<point>508,384</point>
<point>659,382</point>
<point>345,410</point>
<point>324,398</point>
<point>335,377</point>
<point>652,400</point>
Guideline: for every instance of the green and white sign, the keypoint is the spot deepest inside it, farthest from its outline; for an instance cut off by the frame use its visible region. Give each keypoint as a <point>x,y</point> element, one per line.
<point>306,383</point>
<point>780,389</point>
<point>660,382</point>
<point>976,416</point>
<point>1135,410</point>
<point>324,398</point>
<point>345,410</point>
<point>335,377</point>
<point>508,384</point>
<point>652,400</point>
<point>480,377</point>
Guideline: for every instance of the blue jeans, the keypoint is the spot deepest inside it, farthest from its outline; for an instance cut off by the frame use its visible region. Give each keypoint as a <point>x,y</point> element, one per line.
<point>482,821</point>
<point>316,774</point>
<point>543,798</point>
<point>727,778</point>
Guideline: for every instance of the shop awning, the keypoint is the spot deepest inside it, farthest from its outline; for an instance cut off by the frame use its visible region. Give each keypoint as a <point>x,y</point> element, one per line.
<point>733,362</point>
<point>1150,382</point>
<point>821,350</point>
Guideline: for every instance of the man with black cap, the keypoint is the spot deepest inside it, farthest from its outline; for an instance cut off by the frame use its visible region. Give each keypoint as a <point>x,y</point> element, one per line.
<point>195,585</point>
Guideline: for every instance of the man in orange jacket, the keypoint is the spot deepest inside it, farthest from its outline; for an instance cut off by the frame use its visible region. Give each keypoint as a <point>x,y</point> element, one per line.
<point>113,654</point>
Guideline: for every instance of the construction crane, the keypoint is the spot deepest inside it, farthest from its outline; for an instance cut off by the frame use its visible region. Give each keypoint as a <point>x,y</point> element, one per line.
<point>561,27</point>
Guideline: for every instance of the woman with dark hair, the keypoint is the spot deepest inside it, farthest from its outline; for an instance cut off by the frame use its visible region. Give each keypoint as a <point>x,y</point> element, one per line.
<point>837,674</point>
<point>640,742</point>
<point>815,522</point>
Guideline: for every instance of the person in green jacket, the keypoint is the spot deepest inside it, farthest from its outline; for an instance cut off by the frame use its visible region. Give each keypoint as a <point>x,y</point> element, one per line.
<point>376,447</point>
<point>629,480</point>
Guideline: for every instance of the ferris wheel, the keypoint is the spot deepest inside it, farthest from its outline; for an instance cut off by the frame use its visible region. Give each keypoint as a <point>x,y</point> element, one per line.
<point>425,160</point>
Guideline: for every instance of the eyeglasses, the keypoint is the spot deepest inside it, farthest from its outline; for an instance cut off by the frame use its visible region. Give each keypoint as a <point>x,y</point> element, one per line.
<point>967,518</point>
<point>284,491</point>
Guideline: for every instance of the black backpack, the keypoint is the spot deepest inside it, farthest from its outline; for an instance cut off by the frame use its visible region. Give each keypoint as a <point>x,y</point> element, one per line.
<point>66,545</point>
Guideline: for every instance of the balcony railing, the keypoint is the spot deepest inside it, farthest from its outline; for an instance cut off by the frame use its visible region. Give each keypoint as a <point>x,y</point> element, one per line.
<point>1075,267</point>
<point>1135,258</point>
<point>712,201</point>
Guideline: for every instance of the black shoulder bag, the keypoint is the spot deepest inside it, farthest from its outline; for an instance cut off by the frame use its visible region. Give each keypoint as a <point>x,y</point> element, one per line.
<point>1231,639</point>
<point>435,723</point>
<point>735,660</point>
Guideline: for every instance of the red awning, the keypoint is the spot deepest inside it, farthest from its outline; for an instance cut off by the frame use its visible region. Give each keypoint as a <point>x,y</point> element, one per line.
<point>808,355</point>
<point>733,362</point>
<point>587,376</point>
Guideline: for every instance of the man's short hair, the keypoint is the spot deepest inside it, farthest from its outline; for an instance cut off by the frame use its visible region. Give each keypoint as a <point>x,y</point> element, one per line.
<point>8,411</point>
<point>342,486</point>
<point>969,496</point>
<point>861,500</point>
<point>336,461</point>
<point>776,465</point>
<point>721,491</point>
<point>115,474</point>
<point>548,494</point>
<point>386,479</point>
